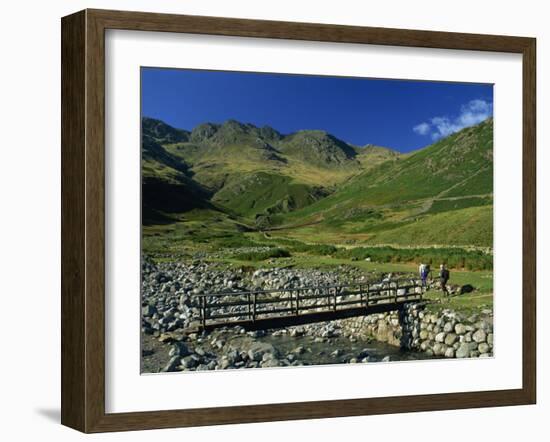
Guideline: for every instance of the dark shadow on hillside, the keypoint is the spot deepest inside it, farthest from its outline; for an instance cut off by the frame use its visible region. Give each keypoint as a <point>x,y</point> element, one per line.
<point>161,199</point>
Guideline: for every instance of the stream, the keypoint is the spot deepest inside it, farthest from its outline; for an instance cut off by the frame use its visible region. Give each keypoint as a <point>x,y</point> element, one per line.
<point>291,350</point>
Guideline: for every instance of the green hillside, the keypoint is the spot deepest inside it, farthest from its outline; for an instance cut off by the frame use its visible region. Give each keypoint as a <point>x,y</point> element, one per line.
<point>266,193</point>
<point>384,202</point>
<point>459,165</point>
<point>311,187</point>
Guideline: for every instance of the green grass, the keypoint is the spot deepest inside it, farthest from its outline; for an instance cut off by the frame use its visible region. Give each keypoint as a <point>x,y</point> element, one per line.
<point>452,257</point>
<point>466,304</point>
<point>470,226</point>
<point>265,193</point>
<point>443,205</point>
<point>196,230</point>
<point>475,185</point>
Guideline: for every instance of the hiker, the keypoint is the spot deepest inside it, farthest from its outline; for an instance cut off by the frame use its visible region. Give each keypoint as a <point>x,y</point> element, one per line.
<point>428,271</point>
<point>422,270</point>
<point>443,278</point>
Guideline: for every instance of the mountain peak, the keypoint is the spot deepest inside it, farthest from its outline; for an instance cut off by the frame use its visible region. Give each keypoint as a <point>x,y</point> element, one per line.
<point>232,131</point>
<point>368,149</point>
<point>161,132</point>
<point>318,147</point>
<point>236,125</point>
<point>203,132</point>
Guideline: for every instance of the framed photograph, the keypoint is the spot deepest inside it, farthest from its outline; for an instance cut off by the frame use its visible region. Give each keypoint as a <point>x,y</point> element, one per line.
<point>267,220</point>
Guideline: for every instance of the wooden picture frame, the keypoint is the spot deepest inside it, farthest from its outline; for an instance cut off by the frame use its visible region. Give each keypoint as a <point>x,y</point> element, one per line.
<point>83,220</point>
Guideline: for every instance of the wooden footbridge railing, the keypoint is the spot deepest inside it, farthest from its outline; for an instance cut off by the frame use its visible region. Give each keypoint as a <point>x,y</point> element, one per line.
<point>262,309</point>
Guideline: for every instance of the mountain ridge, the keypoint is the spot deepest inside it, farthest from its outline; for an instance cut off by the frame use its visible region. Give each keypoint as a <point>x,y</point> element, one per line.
<point>268,179</point>
<point>229,159</point>
<point>207,130</point>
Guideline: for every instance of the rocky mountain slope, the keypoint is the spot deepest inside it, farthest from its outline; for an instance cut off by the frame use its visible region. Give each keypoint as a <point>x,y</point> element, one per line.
<point>287,183</point>
<point>250,170</point>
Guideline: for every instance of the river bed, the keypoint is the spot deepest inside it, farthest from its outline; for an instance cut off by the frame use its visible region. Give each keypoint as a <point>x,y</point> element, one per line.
<point>291,350</point>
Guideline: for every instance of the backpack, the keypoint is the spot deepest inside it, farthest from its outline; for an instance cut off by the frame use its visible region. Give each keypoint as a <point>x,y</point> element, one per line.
<point>445,274</point>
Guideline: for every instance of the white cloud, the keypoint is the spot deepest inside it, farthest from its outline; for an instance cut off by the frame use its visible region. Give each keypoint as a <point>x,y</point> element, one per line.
<point>472,113</point>
<point>422,128</point>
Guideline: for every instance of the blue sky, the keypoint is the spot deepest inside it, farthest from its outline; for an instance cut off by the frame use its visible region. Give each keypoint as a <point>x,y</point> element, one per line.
<point>401,114</point>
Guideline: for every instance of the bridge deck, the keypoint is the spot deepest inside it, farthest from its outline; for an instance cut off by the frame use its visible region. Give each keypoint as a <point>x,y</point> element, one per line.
<point>263,309</point>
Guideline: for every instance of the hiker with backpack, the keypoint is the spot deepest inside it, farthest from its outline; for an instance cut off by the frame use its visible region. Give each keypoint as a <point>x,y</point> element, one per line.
<point>424,271</point>
<point>443,278</point>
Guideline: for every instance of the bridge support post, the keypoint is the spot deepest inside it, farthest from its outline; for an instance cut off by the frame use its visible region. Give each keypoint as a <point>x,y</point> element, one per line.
<point>254,307</point>
<point>203,311</point>
<point>396,290</point>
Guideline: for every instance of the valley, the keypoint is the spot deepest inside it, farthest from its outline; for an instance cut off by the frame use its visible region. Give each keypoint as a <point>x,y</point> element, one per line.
<point>224,190</point>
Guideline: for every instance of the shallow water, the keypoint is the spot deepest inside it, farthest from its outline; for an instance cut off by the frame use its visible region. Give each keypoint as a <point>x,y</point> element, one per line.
<point>336,350</point>
<point>321,353</point>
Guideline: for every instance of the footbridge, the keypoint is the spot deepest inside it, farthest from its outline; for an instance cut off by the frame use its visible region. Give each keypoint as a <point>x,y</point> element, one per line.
<point>264,309</point>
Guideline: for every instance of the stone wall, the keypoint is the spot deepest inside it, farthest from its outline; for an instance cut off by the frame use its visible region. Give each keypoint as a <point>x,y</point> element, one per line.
<point>444,334</point>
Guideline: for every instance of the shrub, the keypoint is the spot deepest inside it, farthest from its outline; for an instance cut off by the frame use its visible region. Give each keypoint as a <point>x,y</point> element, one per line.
<point>263,255</point>
<point>453,257</point>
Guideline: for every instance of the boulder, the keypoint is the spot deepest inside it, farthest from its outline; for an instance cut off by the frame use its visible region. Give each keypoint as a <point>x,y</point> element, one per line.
<point>148,310</point>
<point>179,349</point>
<point>225,363</point>
<point>426,345</point>
<point>271,363</point>
<point>439,349</point>
<point>483,347</point>
<point>450,352</point>
<point>258,349</point>
<point>450,339</point>
<point>460,329</point>
<point>479,336</point>
<point>464,349</point>
<point>448,327</point>
<point>188,362</point>
<point>172,365</point>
